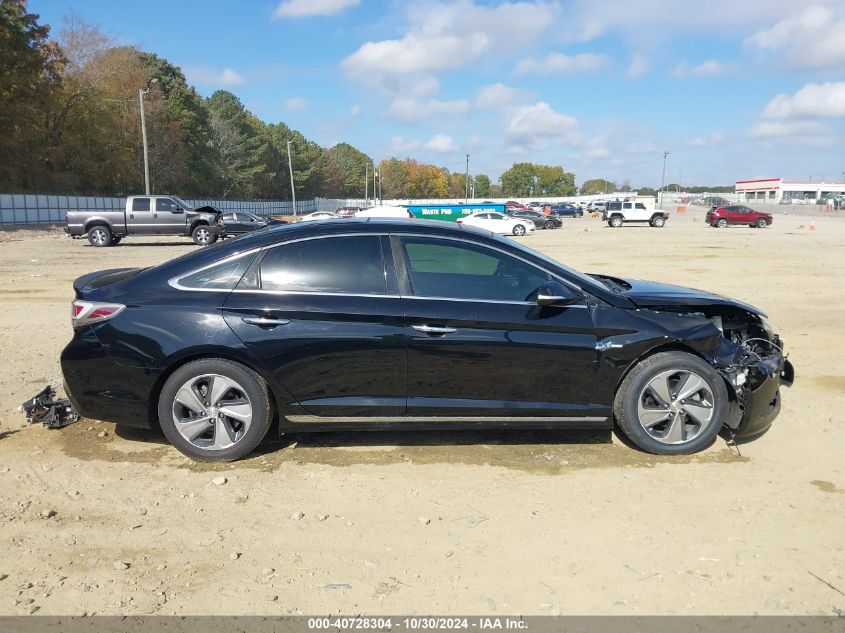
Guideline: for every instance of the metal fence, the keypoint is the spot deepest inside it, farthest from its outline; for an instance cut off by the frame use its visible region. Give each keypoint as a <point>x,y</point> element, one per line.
<point>23,209</point>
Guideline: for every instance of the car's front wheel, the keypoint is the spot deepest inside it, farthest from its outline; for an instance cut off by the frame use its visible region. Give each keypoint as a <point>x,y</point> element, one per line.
<point>671,403</point>
<point>658,221</point>
<point>519,230</point>
<point>214,410</point>
<point>549,224</point>
<point>203,235</point>
<point>761,223</point>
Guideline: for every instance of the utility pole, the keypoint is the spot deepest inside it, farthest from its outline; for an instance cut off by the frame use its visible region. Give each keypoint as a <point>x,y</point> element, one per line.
<point>663,179</point>
<point>141,93</point>
<point>466,184</point>
<point>380,199</point>
<point>292,190</point>
<point>367,184</point>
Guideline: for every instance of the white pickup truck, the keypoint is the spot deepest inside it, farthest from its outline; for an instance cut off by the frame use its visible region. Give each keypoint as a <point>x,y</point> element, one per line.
<point>618,213</point>
<point>147,215</point>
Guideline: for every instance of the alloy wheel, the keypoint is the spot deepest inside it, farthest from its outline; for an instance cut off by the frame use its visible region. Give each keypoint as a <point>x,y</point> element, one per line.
<point>675,407</point>
<point>203,235</point>
<point>212,412</point>
<point>519,230</point>
<point>99,237</point>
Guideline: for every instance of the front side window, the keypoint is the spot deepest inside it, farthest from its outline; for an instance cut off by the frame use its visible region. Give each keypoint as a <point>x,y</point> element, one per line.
<point>346,264</point>
<point>459,270</point>
<point>165,204</point>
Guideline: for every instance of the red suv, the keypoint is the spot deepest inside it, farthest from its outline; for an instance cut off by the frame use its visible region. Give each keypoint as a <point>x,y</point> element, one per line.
<point>722,216</point>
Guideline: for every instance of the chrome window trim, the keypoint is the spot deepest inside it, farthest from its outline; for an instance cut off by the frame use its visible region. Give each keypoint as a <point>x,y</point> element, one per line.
<point>174,281</point>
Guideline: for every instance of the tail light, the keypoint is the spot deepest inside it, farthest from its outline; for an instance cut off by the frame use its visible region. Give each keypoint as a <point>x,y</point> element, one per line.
<point>86,312</point>
<point>460,221</point>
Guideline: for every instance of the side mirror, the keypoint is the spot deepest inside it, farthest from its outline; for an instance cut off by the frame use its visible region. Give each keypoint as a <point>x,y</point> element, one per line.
<point>557,295</point>
<point>178,210</point>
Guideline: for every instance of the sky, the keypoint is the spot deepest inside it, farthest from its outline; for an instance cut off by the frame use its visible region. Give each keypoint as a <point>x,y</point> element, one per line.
<point>732,89</point>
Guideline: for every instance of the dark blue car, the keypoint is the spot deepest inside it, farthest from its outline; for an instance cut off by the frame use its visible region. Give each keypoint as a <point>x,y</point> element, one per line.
<point>566,209</point>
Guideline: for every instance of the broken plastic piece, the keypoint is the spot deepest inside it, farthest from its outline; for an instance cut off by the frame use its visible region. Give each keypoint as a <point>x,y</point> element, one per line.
<point>52,413</point>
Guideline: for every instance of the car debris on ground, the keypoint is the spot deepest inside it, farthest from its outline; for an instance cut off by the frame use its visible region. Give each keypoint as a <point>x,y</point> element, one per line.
<point>43,407</point>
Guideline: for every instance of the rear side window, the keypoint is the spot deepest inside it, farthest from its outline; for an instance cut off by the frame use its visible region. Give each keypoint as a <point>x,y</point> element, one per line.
<point>223,276</point>
<point>347,265</point>
<point>140,204</point>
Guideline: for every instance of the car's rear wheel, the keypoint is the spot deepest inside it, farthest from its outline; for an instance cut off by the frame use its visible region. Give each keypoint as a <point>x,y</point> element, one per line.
<point>214,410</point>
<point>203,235</point>
<point>671,403</point>
<point>615,221</point>
<point>549,224</point>
<point>761,223</point>
<point>519,230</point>
<point>100,236</point>
<point>721,223</point>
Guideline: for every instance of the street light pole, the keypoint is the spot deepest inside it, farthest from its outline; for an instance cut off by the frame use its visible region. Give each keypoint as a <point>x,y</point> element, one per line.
<point>663,179</point>
<point>292,190</point>
<point>141,93</point>
<point>466,183</point>
<point>367,184</point>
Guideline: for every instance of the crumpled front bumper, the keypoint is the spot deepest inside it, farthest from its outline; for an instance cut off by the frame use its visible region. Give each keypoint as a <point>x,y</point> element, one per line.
<point>762,396</point>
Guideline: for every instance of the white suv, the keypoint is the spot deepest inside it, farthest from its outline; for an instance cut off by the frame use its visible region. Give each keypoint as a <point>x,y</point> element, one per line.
<point>618,213</point>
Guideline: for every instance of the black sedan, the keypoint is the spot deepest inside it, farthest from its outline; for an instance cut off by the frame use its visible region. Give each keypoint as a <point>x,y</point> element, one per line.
<point>376,323</point>
<point>240,222</point>
<point>540,220</point>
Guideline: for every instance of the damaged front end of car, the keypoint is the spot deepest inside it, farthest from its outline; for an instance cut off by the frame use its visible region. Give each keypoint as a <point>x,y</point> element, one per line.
<point>750,358</point>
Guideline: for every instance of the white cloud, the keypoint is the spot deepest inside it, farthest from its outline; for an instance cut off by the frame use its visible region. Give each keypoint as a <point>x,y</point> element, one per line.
<point>538,125</point>
<point>638,66</point>
<point>813,100</point>
<point>440,143</point>
<point>708,140</point>
<point>785,129</point>
<point>561,63</point>
<point>444,36</point>
<point>308,8</point>
<point>402,144</point>
<point>412,110</point>
<point>709,68</point>
<point>296,104</point>
<point>813,37</point>
<point>496,95</point>
<point>355,110</point>
<point>204,76</point>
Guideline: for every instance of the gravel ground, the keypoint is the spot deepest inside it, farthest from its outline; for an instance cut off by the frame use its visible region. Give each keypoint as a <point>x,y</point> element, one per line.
<point>98,519</point>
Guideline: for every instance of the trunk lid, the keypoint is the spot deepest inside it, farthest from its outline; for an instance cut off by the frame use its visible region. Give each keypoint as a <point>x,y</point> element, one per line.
<point>93,281</point>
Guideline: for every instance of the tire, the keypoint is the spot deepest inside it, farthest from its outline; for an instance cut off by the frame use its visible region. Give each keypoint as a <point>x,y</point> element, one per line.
<point>116,240</point>
<point>761,223</point>
<point>721,223</point>
<point>100,236</point>
<point>519,230</point>
<point>579,215</point>
<point>683,425</point>
<point>203,235</point>
<point>657,221</point>
<point>549,225</point>
<point>205,432</point>
<point>615,221</point>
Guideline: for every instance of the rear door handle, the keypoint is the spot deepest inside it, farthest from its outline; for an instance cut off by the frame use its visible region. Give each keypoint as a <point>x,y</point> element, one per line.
<point>433,329</point>
<point>265,322</point>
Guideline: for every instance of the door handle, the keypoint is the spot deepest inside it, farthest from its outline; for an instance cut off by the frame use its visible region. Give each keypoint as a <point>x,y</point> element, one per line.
<point>433,329</point>
<point>265,322</point>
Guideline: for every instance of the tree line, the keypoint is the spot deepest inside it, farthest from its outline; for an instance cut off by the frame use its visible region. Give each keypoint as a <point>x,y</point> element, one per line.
<point>70,123</point>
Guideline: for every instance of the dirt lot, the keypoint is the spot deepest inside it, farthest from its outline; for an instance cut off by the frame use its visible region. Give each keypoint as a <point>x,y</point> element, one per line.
<point>103,520</point>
